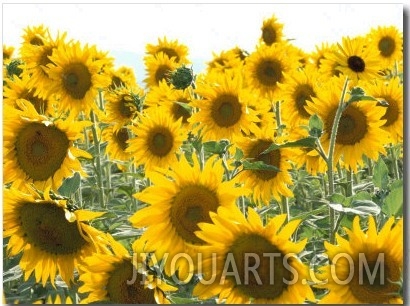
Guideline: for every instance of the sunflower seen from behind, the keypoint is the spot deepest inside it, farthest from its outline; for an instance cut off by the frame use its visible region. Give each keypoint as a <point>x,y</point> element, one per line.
<point>53,236</point>
<point>156,139</point>
<point>77,77</point>
<point>117,277</point>
<point>360,129</point>
<point>236,245</point>
<point>177,202</point>
<point>223,107</point>
<point>365,266</point>
<point>40,150</point>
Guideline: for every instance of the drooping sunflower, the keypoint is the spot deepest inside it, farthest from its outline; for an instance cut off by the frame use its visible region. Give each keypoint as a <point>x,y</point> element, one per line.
<point>364,268</point>
<point>171,48</point>
<point>117,277</point>
<point>264,68</point>
<point>388,40</point>
<point>53,236</point>
<point>19,88</point>
<point>357,60</point>
<point>158,67</point>
<point>238,244</point>
<point>117,143</point>
<point>122,105</point>
<point>38,150</point>
<point>157,139</point>
<point>177,203</point>
<point>122,77</point>
<point>272,31</point>
<point>77,76</point>
<point>298,87</point>
<point>265,184</point>
<point>171,99</point>
<point>360,129</point>
<point>223,111</point>
<point>36,58</point>
<point>390,91</point>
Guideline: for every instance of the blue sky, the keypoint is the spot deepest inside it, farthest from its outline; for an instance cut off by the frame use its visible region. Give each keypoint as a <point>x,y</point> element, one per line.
<point>124,29</point>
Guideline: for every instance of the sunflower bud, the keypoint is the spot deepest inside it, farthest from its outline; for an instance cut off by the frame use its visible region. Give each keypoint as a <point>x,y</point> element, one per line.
<point>182,77</point>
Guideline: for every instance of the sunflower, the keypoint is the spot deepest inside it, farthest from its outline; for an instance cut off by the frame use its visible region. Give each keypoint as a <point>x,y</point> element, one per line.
<point>158,67</point>
<point>117,143</point>
<point>242,244</point>
<point>388,40</point>
<point>263,109</point>
<point>76,77</point>
<point>172,49</point>
<point>316,57</point>
<point>266,183</point>
<point>36,58</point>
<point>298,87</point>
<point>157,139</point>
<point>380,252</point>
<point>53,236</point>
<point>122,77</point>
<point>328,64</point>
<point>223,111</point>
<point>20,89</point>
<point>177,203</point>
<point>360,127</point>
<point>7,54</point>
<point>171,99</point>
<point>116,277</point>
<point>272,31</point>
<point>122,105</point>
<point>357,60</point>
<point>390,91</point>
<point>36,35</point>
<point>38,150</point>
<point>226,60</point>
<point>264,68</point>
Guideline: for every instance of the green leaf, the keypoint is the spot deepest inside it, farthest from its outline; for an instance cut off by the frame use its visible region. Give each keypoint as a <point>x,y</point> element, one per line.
<point>359,207</point>
<point>309,142</point>
<point>381,174</point>
<point>393,205</point>
<point>315,126</point>
<point>216,147</point>
<point>238,154</point>
<point>70,185</point>
<point>258,165</point>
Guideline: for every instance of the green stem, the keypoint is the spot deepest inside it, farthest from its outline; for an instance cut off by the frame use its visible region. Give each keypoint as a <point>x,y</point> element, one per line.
<point>349,185</point>
<point>396,173</point>
<point>278,117</point>
<point>330,161</point>
<point>94,128</point>
<point>285,207</point>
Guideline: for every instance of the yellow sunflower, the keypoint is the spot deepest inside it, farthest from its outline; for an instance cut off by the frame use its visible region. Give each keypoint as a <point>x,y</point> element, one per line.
<point>357,60</point>
<point>360,127</point>
<point>122,77</point>
<point>177,203</point>
<point>7,53</point>
<point>158,67</point>
<point>122,105</point>
<point>266,183</point>
<point>116,277</point>
<point>36,58</point>
<point>272,31</point>
<point>170,98</point>
<point>19,88</point>
<point>55,299</point>
<point>226,60</point>
<point>388,40</point>
<point>38,150</point>
<point>76,77</point>
<point>364,269</point>
<point>117,143</point>
<point>298,87</point>
<point>316,57</point>
<point>390,91</point>
<point>247,262</point>
<point>265,66</point>
<point>157,139</point>
<point>53,236</point>
<point>328,64</point>
<point>35,35</point>
<point>171,48</point>
<point>223,111</point>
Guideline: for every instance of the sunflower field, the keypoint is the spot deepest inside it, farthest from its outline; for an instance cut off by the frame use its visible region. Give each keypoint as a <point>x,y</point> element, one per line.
<point>272,176</point>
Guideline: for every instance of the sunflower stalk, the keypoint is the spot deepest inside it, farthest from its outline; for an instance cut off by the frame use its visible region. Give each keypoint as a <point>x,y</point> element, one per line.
<point>330,160</point>
<point>396,173</point>
<point>285,207</point>
<point>98,160</point>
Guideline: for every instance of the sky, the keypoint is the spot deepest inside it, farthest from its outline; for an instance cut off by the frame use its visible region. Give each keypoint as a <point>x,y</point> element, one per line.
<point>124,29</point>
